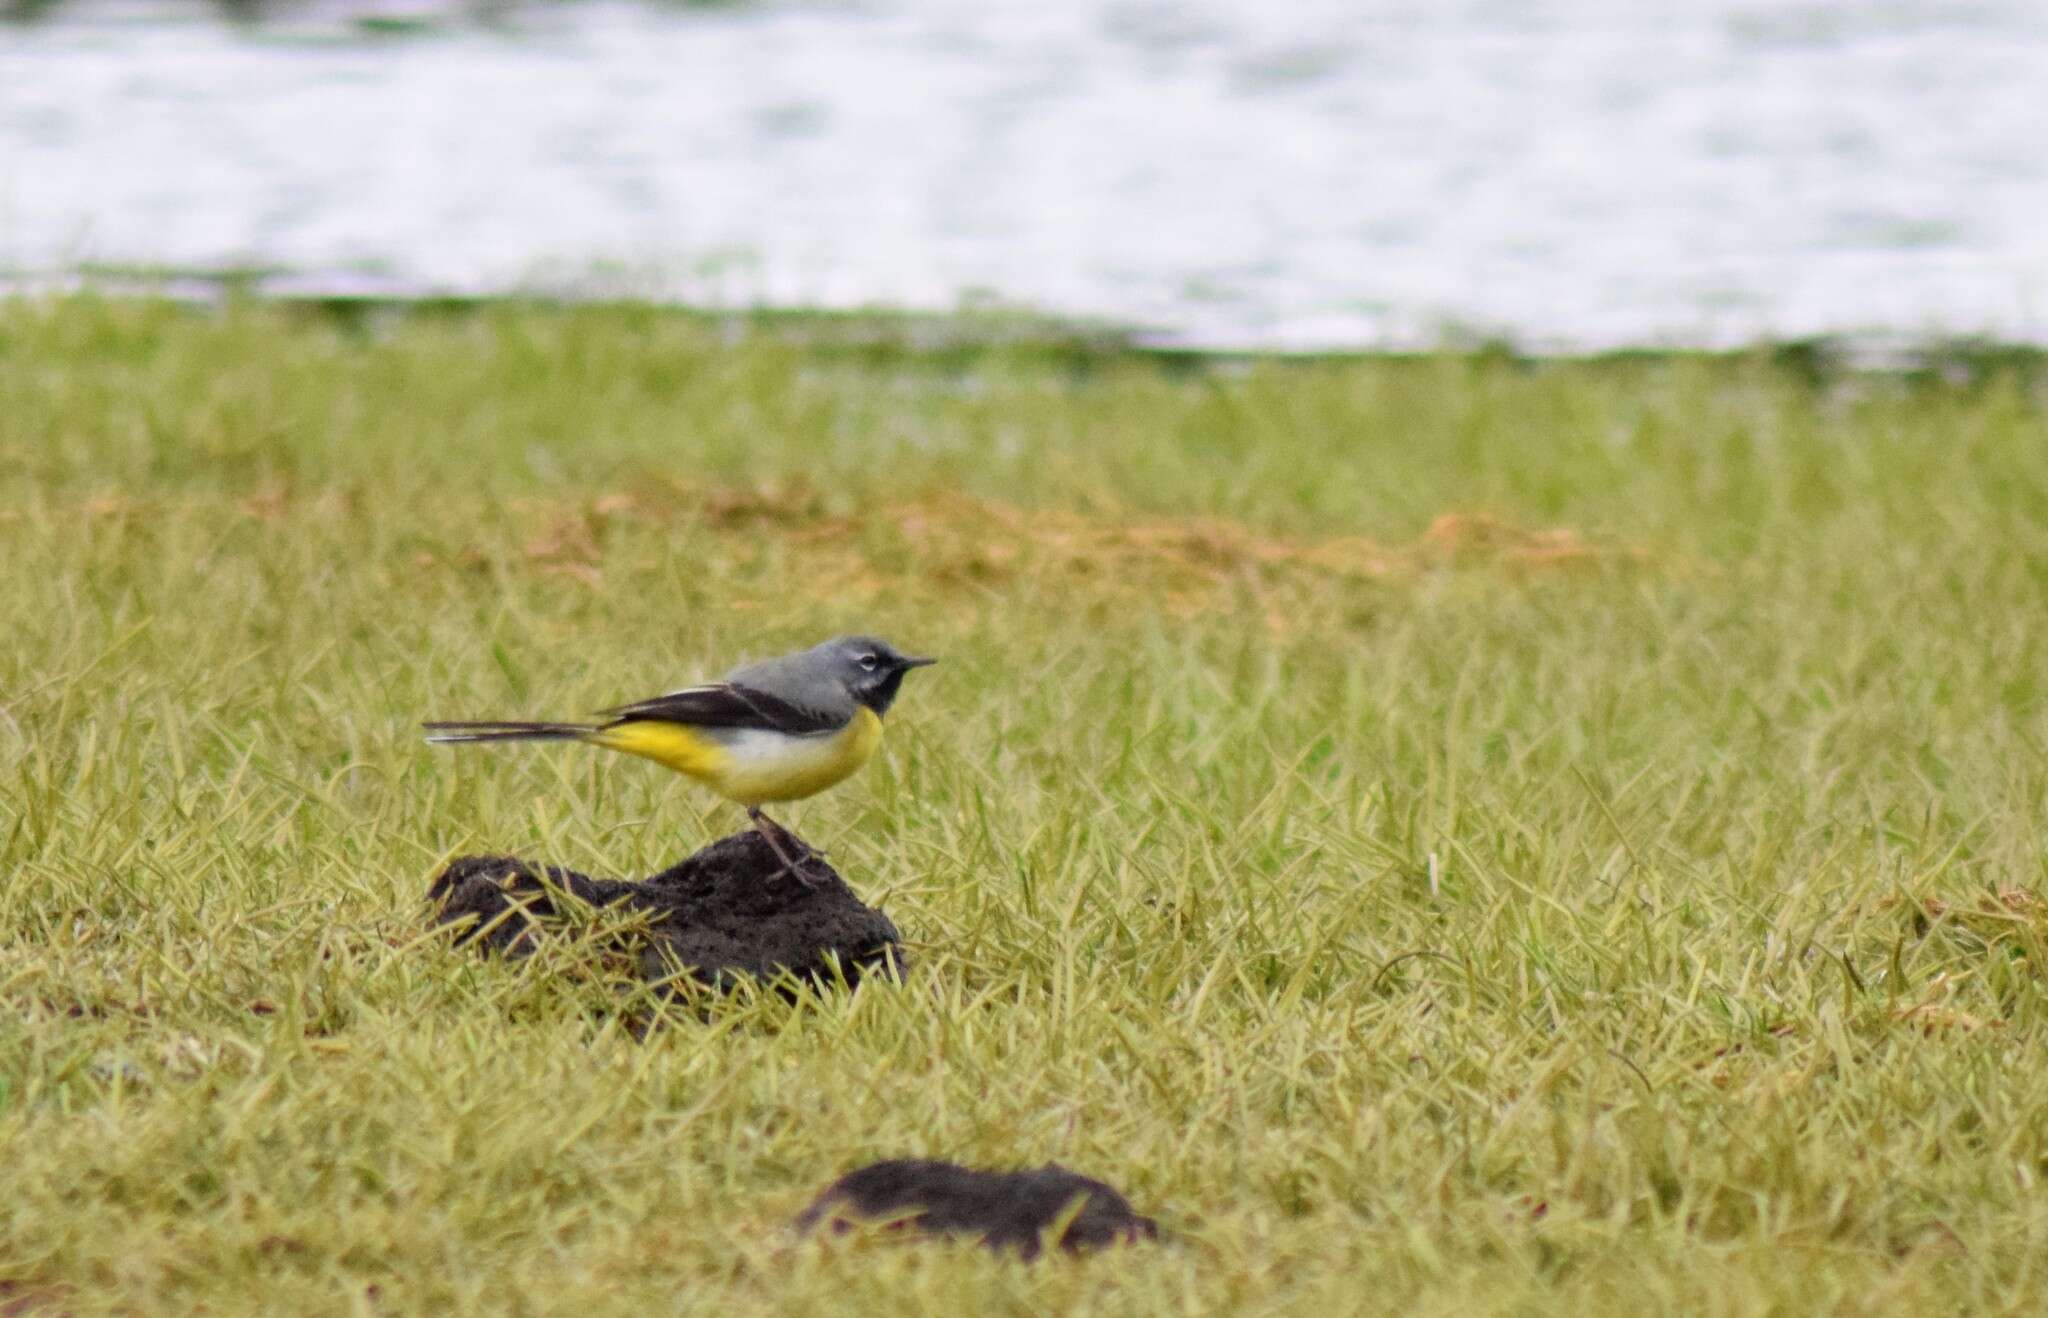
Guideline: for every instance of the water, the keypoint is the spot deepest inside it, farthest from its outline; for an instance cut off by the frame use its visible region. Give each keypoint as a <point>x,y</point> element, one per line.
<point>1293,173</point>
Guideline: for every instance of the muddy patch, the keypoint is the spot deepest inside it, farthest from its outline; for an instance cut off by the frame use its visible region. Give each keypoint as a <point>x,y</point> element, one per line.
<point>727,913</point>
<point>1003,1210</point>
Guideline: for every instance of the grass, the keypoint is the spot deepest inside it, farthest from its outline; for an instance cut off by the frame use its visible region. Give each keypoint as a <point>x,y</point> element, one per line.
<point>1447,835</point>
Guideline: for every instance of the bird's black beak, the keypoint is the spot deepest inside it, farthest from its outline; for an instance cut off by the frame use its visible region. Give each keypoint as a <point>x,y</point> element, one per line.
<point>908,662</point>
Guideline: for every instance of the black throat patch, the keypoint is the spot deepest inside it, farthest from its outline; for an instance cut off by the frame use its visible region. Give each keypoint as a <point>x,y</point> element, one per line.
<point>883,693</point>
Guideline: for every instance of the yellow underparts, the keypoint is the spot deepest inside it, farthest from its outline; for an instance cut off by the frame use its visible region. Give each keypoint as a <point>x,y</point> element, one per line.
<point>752,767</point>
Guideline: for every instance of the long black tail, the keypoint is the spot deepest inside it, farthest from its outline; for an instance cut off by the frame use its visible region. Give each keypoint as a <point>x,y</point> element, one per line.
<point>499,731</point>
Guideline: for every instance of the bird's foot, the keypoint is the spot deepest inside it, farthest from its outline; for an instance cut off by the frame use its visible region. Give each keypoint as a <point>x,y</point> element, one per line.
<point>775,835</point>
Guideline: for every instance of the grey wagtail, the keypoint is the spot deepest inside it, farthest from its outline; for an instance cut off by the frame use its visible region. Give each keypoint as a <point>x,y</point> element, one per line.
<point>778,730</point>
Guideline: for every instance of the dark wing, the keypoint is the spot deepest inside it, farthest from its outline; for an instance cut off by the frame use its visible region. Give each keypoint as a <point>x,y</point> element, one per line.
<point>724,705</point>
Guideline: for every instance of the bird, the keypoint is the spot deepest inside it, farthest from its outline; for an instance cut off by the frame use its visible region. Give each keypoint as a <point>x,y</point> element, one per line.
<point>777,730</point>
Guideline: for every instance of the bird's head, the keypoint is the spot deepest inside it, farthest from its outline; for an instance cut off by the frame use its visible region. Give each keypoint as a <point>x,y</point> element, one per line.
<point>871,670</point>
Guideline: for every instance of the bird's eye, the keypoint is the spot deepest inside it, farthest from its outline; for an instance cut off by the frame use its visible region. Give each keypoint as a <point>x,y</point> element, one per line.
<point>868,662</point>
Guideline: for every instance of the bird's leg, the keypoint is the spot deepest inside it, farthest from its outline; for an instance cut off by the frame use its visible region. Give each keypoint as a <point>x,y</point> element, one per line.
<point>811,853</point>
<point>769,830</point>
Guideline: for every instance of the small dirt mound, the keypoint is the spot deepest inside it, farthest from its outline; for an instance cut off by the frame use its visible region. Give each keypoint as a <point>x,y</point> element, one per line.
<point>728,911</point>
<point>1002,1210</point>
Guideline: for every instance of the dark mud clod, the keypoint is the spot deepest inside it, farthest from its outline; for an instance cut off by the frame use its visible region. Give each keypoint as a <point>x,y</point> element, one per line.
<point>1003,1210</point>
<point>730,910</point>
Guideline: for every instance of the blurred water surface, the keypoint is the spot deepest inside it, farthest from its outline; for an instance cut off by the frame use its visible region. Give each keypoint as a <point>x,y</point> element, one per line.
<point>1290,173</point>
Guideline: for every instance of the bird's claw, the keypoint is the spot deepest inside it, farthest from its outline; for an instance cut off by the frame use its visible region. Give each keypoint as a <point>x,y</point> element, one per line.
<point>773,834</point>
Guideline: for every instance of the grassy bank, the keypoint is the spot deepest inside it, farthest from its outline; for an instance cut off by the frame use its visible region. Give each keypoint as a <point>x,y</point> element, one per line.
<point>1446,835</point>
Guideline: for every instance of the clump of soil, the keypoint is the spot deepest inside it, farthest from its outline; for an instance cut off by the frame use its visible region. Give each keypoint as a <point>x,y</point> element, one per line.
<point>1002,1210</point>
<point>732,910</point>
